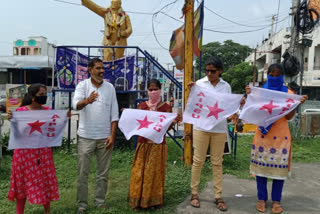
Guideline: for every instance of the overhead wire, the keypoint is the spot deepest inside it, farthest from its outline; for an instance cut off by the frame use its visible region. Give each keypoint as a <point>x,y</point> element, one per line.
<point>153,28</point>
<point>277,15</point>
<point>143,22</point>
<point>234,22</point>
<point>256,20</point>
<point>246,31</point>
<point>67,2</point>
<point>259,27</point>
<point>133,12</point>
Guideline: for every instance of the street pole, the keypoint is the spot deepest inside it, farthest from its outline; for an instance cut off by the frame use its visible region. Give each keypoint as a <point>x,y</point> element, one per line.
<point>175,87</point>
<point>269,54</point>
<point>188,70</point>
<point>255,67</point>
<point>294,31</point>
<point>294,43</point>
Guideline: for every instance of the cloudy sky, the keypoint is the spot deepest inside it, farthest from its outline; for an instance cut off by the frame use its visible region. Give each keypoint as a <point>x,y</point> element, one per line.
<point>69,24</point>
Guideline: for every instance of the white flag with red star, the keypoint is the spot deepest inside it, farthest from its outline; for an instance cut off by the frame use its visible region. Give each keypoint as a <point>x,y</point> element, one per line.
<point>149,124</point>
<point>37,129</point>
<point>264,106</point>
<point>206,108</point>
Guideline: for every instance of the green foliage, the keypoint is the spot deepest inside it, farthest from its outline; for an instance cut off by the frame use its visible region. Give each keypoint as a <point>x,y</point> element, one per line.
<point>239,165</point>
<point>177,187</point>
<point>239,77</point>
<point>121,142</point>
<point>178,177</point>
<point>231,53</point>
<point>5,143</point>
<point>64,146</point>
<point>306,150</point>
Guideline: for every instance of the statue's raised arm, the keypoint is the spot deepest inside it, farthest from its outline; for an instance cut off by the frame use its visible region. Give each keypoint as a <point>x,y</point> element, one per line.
<point>117,27</point>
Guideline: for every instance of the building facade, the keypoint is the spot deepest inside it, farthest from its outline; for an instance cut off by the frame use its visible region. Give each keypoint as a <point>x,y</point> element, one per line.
<point>31,62</point>
<point>271,51</point>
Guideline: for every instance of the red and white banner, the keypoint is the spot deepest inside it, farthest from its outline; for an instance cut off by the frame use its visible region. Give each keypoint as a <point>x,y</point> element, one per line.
<point>37,129</point>
<point>264,106</point>
<point>206,108</point>
<point>149,124</point>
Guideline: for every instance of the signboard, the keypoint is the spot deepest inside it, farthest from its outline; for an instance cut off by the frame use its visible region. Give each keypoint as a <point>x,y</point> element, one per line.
<point>72,70</point>
<point>178,75</point>
<point>15,94</point>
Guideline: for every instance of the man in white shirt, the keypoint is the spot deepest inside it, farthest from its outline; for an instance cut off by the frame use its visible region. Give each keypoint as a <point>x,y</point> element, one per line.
<point>215,137</point>
<point>96,99</point>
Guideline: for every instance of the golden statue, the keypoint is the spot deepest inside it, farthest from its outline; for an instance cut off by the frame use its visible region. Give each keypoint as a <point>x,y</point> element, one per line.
<point>117,27</point>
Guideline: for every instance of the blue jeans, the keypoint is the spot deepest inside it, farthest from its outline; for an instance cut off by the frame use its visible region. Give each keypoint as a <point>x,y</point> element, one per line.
<point>277,186</point>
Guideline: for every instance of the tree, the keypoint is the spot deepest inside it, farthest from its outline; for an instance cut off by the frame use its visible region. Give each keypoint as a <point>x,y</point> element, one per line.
<point>239,77</point>
<point>231,53</point>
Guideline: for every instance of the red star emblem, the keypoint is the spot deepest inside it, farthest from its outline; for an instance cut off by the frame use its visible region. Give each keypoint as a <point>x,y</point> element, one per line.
<point>214,110</point>
<point>290,101</point>
<point>144,123</point>
<point>36,126</point>
<point>268,107</point>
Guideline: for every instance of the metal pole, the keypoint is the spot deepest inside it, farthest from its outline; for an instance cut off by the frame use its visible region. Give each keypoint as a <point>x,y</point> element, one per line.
<point>188,70</point>
<point>255,66</point>
<point>201,29</point>
<point>301,68</point>
<point>294,31</point>
<point>1,123</point>
<point>125,71</point>
<point>136,71</point>
<point>53,66</point>
<point>53,98</point>
<point>76,74</point>
<point>69,121</point>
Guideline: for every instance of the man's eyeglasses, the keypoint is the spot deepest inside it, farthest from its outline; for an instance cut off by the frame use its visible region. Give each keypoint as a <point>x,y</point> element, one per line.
<point>212,71</point>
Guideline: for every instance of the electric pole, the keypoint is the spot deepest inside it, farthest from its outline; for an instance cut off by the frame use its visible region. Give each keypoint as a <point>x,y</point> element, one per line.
<point>188,70</point>
<point>270,55</point>
<point>294,30</point>
<point>255,67</point>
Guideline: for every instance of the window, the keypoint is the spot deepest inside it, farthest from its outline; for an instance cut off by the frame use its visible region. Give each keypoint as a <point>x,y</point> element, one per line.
<point>15,51</point>
<point>36,51</point>
<point>23,51</point>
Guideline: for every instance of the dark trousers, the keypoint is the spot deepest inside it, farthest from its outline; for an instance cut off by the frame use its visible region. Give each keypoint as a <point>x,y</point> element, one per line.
<point>277,186</point>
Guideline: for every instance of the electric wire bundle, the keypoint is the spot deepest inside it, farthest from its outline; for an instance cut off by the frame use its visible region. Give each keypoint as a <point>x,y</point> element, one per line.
<point>306,18</point>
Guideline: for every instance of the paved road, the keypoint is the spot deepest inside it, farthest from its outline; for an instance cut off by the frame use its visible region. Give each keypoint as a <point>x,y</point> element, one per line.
<point>301,194</point>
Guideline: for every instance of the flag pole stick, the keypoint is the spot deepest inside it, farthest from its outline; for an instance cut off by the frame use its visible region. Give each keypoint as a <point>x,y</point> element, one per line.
<point>201,29</point>
<point>188,70</point>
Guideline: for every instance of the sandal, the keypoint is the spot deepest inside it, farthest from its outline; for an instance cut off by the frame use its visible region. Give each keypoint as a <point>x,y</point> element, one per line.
<point>221,205</point>
<point>194,197</point>
<point>276,207</point>
<point>261,206</point>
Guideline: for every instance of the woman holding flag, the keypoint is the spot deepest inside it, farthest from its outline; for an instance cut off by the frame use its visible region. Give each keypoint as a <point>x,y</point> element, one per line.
<point>272,148</point>
<point>33,173</point>
<point>149,163</point>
